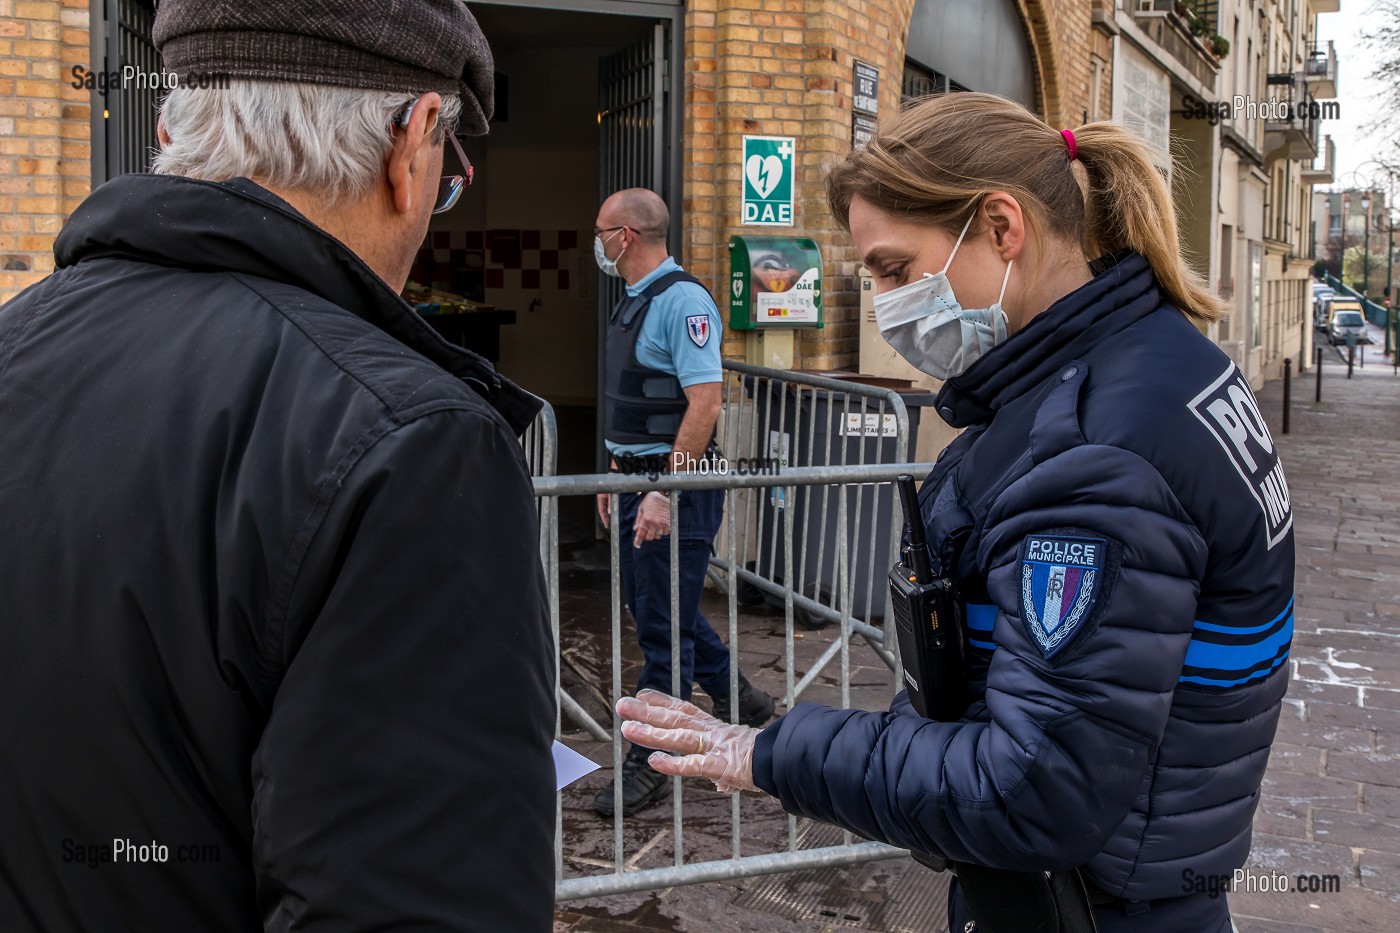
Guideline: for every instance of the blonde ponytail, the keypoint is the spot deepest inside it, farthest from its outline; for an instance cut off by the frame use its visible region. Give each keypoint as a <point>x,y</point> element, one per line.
<point>937,159</point>
<point>1128,205</point>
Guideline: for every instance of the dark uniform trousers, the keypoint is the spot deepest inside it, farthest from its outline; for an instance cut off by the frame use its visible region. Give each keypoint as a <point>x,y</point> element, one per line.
<point>646,588</point>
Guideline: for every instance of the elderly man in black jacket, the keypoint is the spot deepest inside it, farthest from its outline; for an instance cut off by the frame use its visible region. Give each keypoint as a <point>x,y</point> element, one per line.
<point>275,651</point>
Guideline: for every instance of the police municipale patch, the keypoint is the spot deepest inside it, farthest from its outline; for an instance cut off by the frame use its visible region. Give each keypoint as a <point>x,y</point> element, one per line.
<point>698,326</point>
<point>1060,579</point>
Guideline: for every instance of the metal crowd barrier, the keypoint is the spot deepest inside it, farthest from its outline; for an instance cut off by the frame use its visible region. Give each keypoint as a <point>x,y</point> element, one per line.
<point>541,445</point>
<point>826,452</point>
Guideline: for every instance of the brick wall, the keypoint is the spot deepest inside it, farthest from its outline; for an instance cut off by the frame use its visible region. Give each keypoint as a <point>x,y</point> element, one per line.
<point>784,68</point>
<point>756,67</point>
<point>45,156</point>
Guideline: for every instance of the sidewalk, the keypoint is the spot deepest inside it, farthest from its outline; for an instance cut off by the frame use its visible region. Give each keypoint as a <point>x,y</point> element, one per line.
<point>1332,794</point>
<point>1331,799</point>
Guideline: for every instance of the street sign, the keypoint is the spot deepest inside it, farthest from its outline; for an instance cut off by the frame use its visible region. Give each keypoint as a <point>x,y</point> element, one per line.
<point>865,95</point>
<point>862,131</point>
<point>768,180</point>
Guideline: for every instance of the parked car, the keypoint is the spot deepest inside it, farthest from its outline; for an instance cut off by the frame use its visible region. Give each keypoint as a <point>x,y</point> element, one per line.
<point>1321,293</point>
<point>1346,323</point>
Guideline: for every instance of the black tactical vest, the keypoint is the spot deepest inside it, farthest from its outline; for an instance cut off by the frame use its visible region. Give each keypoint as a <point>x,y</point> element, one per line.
<point>641,405</point>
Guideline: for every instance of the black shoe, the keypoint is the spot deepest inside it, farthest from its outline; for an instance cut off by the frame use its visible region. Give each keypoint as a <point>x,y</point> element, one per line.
<point>641,786</point>
<point>755,706</point>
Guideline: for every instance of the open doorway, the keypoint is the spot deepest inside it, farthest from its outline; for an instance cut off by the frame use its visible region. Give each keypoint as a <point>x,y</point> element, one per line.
<point>584,106</point>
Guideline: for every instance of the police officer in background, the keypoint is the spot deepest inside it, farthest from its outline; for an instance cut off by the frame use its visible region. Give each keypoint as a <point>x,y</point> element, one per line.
<point>1113,520</point>
<point>661,402</point>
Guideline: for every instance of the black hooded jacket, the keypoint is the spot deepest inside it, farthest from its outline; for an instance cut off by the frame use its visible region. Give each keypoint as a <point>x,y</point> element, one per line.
<point>275,646</point>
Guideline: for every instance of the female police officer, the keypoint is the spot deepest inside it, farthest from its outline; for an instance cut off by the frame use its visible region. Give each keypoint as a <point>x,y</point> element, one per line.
<point>1114,517</point>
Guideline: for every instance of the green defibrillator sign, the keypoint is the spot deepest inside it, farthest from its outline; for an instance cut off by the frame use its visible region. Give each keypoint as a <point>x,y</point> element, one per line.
<point>768,180</point>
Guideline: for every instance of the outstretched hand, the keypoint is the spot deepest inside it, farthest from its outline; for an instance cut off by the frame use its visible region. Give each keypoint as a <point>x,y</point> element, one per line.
<point>705,746</point>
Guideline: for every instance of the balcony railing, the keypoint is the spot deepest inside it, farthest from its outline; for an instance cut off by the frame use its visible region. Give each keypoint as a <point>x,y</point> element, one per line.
<point>1320,70</point>
<point>1207,11</point>
<point>1291,118</point>
<point>1184,30</point>
<point>1322,174</point>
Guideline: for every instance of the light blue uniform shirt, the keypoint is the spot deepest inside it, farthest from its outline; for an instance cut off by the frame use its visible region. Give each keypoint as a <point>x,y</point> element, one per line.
<point>668,342</point>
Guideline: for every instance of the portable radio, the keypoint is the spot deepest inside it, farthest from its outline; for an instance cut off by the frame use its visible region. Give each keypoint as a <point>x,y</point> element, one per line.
<point>928,621</point>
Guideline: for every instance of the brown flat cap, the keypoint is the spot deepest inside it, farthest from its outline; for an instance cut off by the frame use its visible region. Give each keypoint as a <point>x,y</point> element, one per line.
<point>414,46</point>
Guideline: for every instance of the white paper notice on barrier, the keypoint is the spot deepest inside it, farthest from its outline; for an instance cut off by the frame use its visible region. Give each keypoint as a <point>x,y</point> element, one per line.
<point>569,766</point>
<point>870,425</point>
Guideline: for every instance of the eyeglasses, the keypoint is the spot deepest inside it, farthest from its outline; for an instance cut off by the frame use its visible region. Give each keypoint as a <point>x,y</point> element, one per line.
<point>599,231</point>
<point>450,187</point>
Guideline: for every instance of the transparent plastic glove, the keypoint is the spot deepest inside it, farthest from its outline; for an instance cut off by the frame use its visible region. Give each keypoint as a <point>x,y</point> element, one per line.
<point>653,519</point>
<point>706,746</point>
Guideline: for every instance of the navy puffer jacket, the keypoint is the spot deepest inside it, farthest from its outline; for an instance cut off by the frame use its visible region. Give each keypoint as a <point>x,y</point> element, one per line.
<point>1121,534</point>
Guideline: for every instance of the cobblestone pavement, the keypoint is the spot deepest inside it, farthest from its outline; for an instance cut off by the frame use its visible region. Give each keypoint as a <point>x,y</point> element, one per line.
<point>1330,810</point>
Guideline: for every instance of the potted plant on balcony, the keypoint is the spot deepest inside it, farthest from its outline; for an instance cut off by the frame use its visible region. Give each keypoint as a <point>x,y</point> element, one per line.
<point>1220,46</point>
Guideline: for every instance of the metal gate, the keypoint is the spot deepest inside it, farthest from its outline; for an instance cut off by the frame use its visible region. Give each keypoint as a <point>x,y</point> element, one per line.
<point>636,99</point>
<point>132,106</point>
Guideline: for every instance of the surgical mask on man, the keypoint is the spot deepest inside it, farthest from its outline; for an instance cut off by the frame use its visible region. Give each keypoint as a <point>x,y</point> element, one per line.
<point>609,266</point>
<point>926,326</point>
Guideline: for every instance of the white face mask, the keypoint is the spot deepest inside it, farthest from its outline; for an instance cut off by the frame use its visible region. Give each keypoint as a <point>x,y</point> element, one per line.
<point>609,266</point>
<point>925,325</point>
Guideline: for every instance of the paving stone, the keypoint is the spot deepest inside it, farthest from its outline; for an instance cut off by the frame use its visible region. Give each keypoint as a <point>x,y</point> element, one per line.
<point>1302,790</point>
<point>1380,871</point>
<point>1322,735</point>
<point>1260,925</point>
<point>1279,818</point>
<point>1358,830</point>
<point>1376,698</point>
<point>1292,856</point>
<point>1366,768</point>
<point>1379,800</point>
<point>1354,909</point>
<point>1338,714</point>
<point>1303,687</point>
<point>1295,759</point>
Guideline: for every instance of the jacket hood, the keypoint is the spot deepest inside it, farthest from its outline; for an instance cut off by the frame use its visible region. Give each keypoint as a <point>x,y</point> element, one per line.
<point>1122,291</point>
<point>237,226</point>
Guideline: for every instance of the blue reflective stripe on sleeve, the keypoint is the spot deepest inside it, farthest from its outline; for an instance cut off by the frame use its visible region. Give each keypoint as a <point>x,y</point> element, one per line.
<point>981,617</point>
<point>1232,630</point>
<point>1243,657</point>
<point>1228,656</point>
<point>1211,682</point>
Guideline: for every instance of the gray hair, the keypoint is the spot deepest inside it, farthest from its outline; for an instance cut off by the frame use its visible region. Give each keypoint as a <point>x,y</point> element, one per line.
<point>292,136</point>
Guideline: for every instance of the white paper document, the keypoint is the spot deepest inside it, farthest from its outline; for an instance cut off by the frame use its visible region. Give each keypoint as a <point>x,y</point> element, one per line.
<point>569,766</point>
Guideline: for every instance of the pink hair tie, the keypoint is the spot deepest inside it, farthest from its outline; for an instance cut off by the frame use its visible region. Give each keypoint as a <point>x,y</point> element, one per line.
<point>1070,144</point>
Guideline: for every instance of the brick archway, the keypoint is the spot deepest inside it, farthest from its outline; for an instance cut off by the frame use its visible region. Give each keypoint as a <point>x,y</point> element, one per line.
<point>1043,32</point>
<point>1036,15</point>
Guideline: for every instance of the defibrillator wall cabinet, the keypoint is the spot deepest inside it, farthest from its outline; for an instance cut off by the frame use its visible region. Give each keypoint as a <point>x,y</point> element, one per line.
<point>774,281</point>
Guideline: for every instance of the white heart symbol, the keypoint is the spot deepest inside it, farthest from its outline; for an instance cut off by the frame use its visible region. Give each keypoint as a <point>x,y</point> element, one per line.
<point>738,288</point>
<point>764,173</point>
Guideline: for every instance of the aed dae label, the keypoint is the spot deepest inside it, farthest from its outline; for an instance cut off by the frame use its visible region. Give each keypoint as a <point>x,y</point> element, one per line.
<point>768,180</point>
<point>1230,412</point>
